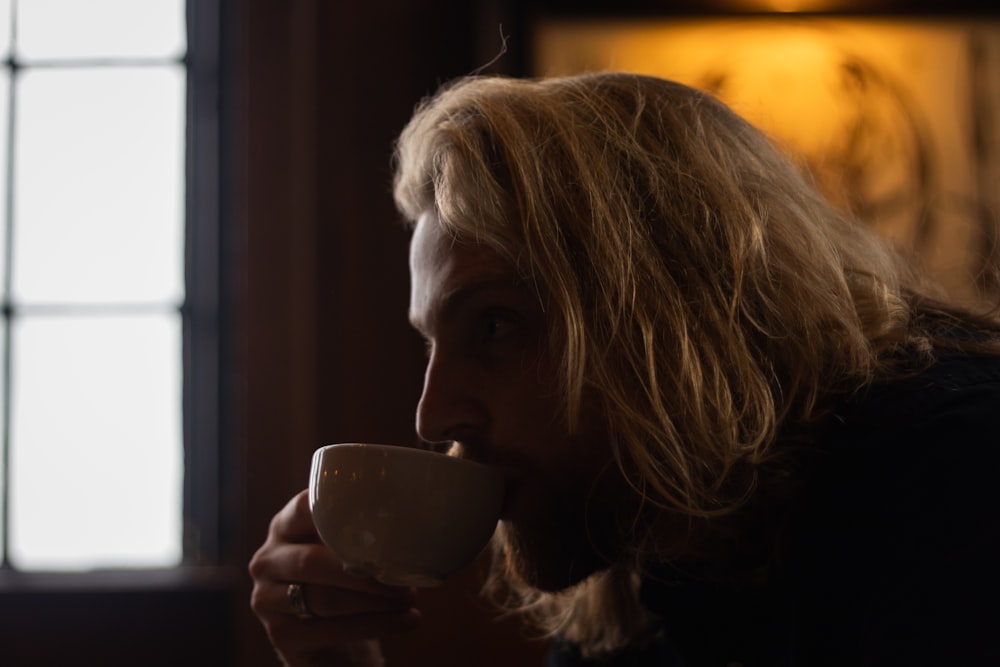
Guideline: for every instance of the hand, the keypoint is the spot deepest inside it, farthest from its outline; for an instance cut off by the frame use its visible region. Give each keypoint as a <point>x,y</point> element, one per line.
<point>346,615</point>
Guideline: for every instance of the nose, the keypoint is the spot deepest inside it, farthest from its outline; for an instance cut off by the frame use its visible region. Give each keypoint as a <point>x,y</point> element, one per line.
<point>451,406</point>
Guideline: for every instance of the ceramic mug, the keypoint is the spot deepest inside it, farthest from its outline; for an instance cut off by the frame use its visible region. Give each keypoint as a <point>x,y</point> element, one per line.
<point>405,516</point>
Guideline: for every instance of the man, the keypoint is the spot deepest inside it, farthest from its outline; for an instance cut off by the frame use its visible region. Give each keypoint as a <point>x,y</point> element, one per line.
<point>738,429</point>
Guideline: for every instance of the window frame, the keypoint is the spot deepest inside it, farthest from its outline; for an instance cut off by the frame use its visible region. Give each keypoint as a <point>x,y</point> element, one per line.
<point>206,397</point>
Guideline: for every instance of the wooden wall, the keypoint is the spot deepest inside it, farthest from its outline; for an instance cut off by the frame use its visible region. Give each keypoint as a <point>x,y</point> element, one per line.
<point>325,350</point>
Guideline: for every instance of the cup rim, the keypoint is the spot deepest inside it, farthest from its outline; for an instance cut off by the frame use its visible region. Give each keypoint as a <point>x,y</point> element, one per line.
<point>410,451</point>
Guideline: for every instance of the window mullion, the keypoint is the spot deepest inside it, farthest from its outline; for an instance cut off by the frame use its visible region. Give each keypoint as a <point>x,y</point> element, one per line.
<point>7,310</point>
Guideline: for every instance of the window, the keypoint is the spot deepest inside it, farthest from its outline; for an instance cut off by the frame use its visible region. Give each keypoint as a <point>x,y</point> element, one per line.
<point>102,181</point>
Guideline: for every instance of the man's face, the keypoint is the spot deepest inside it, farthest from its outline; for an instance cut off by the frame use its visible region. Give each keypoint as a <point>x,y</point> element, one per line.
<point>491,388</point>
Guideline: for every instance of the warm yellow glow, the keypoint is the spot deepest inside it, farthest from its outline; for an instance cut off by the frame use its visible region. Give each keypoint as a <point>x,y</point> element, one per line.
<point>788,6</point>
<point>784,5</point>
<point>790,77</point>
<point>880,110</point>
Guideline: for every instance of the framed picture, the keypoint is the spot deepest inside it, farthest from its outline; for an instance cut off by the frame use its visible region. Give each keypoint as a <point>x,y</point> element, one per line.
<point>898,120</point>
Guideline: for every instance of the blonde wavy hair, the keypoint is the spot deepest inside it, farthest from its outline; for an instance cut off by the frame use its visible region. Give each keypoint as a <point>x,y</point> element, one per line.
<point>698,288</point>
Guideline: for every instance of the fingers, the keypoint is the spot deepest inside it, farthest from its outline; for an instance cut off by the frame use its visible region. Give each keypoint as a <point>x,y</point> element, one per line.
<point>319,633</point>
<point>328,642</point>
<point>294,522</point>
<point>325,601</point>
<point>290,562</point>
<point>314,564</point>
<point>342,621</point>
<point>338,615</point>
<point>293,553</point>
<point>327,594</point>
<point>346,611</point>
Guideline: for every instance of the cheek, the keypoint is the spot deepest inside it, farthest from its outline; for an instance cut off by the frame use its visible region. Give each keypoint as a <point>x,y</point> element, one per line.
<point>591,433</point>
<point>580,451</point>
<point>532,402</point>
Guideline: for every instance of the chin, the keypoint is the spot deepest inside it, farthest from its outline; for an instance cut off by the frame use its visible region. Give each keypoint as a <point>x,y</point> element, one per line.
<point>553,537</point>
<point>535,565</point>
<point>549,558</point>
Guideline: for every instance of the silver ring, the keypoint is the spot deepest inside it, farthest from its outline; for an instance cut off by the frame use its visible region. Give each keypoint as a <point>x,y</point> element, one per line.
<point>297,600</point>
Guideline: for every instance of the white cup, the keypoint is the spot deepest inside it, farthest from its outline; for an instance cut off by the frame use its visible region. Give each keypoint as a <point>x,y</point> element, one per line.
<point>405,516</point>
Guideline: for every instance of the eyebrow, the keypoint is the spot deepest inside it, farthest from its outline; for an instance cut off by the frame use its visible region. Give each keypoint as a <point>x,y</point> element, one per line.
<point>455,299</point>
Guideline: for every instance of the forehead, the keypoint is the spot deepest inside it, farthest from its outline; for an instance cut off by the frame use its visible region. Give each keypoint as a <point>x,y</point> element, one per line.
<point>443,267</point>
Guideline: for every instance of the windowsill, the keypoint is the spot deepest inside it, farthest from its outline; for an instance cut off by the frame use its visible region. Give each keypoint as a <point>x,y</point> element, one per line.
<point>187,578</point>
<point>182,616</point>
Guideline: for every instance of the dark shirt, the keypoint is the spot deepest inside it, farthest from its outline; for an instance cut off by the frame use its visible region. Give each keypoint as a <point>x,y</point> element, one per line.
<point>890,554</point>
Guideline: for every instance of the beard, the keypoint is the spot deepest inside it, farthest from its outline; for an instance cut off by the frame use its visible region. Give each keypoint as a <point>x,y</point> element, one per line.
<point>551,541</point>
<point>543,564</point>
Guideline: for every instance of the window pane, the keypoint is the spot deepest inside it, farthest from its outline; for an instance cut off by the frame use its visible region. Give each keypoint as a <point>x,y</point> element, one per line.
<point>99,201</point>
<point>3,389</point>
<point>5,28</point>
<point>100,28</point>
<point>96,455</point>
<point>4,108</point>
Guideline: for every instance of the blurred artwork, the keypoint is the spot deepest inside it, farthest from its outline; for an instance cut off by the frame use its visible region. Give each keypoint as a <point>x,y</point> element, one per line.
<point>897,120</point>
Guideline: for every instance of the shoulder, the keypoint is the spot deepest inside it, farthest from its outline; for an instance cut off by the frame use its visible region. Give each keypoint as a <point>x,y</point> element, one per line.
<point>925,442</point>
<point>957,395</point>
<point>919,441</point>
<point>896,535</point>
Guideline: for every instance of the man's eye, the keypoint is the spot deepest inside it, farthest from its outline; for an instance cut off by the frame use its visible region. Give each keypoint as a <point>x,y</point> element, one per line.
<point>495,325</point>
